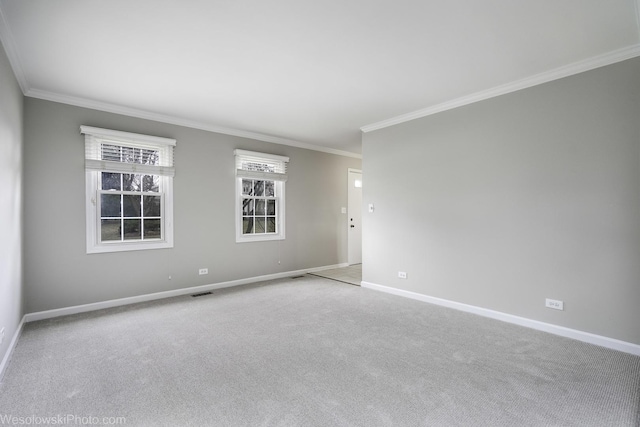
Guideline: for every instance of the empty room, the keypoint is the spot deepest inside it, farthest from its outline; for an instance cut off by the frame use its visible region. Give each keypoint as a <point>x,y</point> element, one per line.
<point>304,213</point>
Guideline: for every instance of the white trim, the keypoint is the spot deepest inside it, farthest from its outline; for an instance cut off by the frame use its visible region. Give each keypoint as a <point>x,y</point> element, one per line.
<point>562,331</point>
<point>48,314</point>
<point>163,118</point>
<point>11,348</point>
<point>537,79</point>
<point>281,230</point>
<point>120,136</point>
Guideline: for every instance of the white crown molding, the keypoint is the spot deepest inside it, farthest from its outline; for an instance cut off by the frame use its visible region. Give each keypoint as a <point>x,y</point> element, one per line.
<point>537,79</point>
<point>562,331</point>
<point>142,114</point>
<point>6,38</point>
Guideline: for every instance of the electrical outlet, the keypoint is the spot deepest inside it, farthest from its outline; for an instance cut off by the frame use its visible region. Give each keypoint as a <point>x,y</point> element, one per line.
<point>402,274</point>
<point>203,271</point>
<point>554,303</point>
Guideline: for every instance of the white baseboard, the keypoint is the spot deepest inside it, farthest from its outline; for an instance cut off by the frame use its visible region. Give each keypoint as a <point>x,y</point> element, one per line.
<point>590,338</point>
<point>48,314</point>
<point>12,346</point>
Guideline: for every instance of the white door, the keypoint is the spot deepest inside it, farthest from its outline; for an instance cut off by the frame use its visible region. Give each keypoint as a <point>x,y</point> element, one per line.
<point>354,218</point>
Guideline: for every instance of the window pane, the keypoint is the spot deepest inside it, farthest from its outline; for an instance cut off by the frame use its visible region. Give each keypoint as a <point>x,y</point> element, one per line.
<point>152,229</point>
<point>110,205</point>
<point>131,182</point>
<point>111,181</point>
<point>258,188</point>
<point>271,224</point>
<point>131,205</point>
<point>151,183</point>
<point>132,229</point>
<point>151,205</point>
<point>271,207</point>
<point>260,225</point>
<point>247,225</point>
<point>247,187</point>
<point>111,152</point>
<point>270,189</point>
<point>260,207</point>
<point>247,207</point>
<point>150,157</point>
<point>131,155</point>
<point>110,230</point>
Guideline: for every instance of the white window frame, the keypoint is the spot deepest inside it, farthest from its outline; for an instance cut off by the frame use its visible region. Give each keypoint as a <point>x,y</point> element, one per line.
<point>94,166</point>
<point>279,166</point>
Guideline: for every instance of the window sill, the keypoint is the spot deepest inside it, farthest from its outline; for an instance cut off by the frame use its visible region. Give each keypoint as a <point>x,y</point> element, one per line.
<point>262,238</point>
<point>127,247</point>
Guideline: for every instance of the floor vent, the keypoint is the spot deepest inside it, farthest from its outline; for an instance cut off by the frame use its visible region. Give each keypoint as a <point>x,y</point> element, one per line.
<point>201,295</point>
<point>297,277</point>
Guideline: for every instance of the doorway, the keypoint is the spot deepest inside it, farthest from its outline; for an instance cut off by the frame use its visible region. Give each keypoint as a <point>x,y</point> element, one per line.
<point>354,217</point>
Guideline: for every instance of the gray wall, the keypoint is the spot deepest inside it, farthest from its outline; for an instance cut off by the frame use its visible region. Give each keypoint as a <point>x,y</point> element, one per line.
<point>503,203</point>
<point>59,273</point>
<point>10,203</point>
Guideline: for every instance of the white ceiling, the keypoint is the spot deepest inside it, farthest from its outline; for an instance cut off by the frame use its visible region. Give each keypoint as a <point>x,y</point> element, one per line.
<point>307,73</point>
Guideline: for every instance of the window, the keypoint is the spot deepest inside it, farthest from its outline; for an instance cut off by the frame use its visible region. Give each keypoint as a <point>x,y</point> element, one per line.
<point>129,190</point>
<point>260,182</point>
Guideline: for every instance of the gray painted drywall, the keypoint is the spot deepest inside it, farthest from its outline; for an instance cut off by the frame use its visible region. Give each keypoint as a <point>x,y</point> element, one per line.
<point>506,202</point>
<point>11,284</point>
<point>59,273</point>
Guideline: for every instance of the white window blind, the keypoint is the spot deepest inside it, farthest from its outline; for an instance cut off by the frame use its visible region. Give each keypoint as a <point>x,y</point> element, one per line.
<point>250,164</point>
<point>123,152</point>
